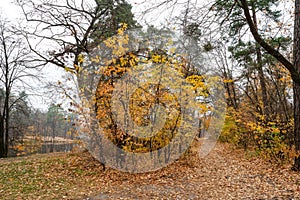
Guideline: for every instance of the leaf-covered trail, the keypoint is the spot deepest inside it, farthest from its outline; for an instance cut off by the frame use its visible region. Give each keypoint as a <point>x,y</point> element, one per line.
<point>223,174</point>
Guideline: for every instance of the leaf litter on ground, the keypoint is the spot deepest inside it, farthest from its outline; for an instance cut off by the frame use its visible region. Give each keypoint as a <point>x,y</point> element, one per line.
<point>226,173</point>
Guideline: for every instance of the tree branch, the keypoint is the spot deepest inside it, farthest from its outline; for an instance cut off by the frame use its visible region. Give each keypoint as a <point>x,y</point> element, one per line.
<point>276,54</point>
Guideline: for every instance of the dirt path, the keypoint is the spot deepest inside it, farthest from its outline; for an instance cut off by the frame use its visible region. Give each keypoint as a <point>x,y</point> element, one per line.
<point>224,174</point>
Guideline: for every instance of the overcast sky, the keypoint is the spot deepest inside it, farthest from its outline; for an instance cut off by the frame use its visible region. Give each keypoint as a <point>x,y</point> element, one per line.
<point>9,10</point>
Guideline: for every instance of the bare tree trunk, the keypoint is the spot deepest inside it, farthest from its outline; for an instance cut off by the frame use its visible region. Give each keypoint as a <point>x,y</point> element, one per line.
<point>6,107</point>
<point>2,138</point>
<point>5,115</point>
<point>297,124</point>
<point>262,81</point>
<point>297,84</point>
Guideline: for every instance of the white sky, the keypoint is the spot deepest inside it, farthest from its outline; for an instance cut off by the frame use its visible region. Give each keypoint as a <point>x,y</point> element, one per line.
<point>9,10</point>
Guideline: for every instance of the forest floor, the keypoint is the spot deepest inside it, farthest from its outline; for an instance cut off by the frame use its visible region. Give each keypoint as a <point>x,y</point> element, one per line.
<point>226,173</point>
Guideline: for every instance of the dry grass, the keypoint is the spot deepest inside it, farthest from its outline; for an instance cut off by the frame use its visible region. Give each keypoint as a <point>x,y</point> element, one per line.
<point>224,174</point>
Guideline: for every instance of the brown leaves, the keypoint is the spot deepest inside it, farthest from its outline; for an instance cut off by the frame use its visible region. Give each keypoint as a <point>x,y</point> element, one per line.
<point>224,174</point>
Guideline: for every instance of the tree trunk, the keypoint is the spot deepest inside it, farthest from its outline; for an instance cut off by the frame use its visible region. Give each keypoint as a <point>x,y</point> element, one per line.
<point>297,124</point>
<point>7,116</point>
<point>260,69</point>
<point>262,82</point>
<point>2,139</point>
<point>297,84</point>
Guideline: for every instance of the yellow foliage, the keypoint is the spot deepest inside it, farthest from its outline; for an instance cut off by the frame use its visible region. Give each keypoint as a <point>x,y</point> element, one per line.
<point>267,138</point>
<point>197,81</point>
<point>228,81</point>
<point>141,101</point>
<point>81,58</point>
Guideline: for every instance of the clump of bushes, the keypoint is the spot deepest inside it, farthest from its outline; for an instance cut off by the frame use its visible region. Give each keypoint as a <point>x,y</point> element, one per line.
<point>270,138</point>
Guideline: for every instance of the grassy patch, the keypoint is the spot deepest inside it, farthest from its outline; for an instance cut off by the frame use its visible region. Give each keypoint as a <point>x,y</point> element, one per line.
<point>52,177</point>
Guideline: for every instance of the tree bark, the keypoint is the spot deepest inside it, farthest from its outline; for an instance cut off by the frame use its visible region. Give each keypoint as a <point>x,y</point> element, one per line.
<point>296,84</point>
<point>260,69</point>
<point>7,121</point>
<point>2,138</point>
<point>5,115</point>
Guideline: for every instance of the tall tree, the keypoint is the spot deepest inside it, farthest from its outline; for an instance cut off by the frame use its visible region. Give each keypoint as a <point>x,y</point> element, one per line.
<point>75,28</point>
<point>244,15</point>
<point>15,69</point>
<point>20,117</point>
<point>55,119</point>
<point>293,67</point>
<point>296,66</point>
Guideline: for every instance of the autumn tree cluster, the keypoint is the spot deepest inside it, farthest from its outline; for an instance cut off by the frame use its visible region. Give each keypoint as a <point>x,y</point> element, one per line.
<point>130,107</point>
<point>252,44</point>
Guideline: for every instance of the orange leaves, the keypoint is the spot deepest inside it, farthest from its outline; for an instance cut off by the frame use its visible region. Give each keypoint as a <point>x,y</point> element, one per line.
<point>20,147</point>
<point>127,114</point>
